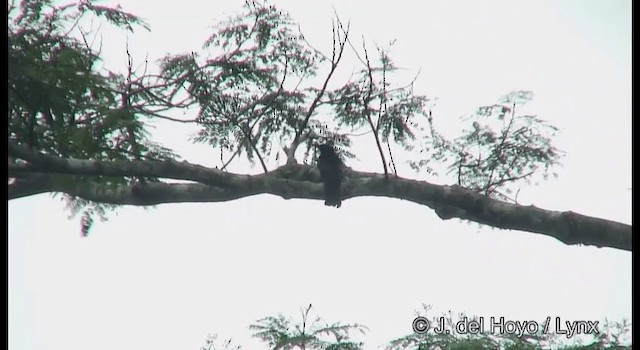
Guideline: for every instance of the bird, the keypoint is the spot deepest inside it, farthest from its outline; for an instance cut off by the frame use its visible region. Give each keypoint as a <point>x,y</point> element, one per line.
<point>330,166</point>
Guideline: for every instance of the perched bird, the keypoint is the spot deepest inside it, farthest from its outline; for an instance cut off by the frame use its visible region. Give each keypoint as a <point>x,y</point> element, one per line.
<point>330,166</point>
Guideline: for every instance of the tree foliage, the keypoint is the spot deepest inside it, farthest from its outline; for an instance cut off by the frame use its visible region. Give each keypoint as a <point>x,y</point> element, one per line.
<point>60,104</point>
<point>281,332</point>
<point>260,90</point>
<point>612,335</point>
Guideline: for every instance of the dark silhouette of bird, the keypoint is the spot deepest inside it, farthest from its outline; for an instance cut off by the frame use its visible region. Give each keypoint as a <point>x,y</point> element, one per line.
<point>330,166</point>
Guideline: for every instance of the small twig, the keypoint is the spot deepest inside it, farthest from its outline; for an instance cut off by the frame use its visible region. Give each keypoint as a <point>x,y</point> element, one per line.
<point>335,59</point>
<point>224,166</point>
<point>383,103</point>
<point>248,130</point>
<point>249,135</point>
<point>393,164</point>
<point>366,101</point>
<point>75,22</point>
<point>500,148</point>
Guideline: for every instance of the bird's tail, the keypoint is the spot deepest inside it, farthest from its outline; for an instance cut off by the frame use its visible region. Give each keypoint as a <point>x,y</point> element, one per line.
<point>332,195</point>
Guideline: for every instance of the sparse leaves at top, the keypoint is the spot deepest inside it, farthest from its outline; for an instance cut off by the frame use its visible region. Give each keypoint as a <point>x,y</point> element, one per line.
<point>500,149</point>
<point>280,332</point>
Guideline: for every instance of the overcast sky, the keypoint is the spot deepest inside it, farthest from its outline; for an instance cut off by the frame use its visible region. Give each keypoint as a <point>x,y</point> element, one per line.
<point>165,277</point>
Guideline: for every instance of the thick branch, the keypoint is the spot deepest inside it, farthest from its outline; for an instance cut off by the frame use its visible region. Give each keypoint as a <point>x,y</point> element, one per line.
<point>43,163</point>
<point>303,181</point>
<point>29,185</point>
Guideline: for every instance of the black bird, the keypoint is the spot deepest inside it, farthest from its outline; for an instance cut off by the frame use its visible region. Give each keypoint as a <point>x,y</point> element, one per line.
<point>330,167</point>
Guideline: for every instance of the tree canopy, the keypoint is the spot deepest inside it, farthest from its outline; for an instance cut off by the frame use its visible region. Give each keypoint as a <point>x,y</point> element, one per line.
<point>260,92</point>
<point>280,332</point>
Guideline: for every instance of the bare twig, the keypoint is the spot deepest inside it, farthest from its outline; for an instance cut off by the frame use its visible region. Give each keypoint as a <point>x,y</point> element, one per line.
<point>249,135</point>
<point>338,49</point>
<point>393,163</point>
<point>383,107</point>
<point>235,153</point>
<point>500,148</point>
<point>366,101</point>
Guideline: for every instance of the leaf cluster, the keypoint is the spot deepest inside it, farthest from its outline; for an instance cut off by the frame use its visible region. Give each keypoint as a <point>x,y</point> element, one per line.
<point>244,103</point>
<point>500,149</point>
<point>59,100</point>
<point>280,332</point>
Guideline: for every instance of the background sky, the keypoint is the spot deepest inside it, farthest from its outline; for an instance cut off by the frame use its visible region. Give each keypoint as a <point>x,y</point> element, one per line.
<point>165,277</point>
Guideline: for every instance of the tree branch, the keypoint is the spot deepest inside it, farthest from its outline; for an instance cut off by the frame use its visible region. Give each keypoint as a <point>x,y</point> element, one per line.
<point>29,185</point>
<point>367,110</point>
<point>291,151</point>
<point>271,98</point>
<point>43,163</point>
<point>304,182</point>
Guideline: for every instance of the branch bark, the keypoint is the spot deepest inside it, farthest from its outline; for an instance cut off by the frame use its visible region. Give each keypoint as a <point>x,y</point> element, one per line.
<point>299,181</point>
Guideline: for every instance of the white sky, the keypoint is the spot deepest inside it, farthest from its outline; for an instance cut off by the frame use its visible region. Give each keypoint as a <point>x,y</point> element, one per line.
<point>164,278</point>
